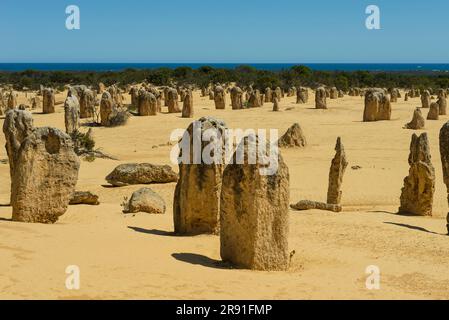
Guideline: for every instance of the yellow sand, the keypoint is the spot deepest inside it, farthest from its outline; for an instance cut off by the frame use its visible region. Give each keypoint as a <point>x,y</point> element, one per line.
<point>126,257</point>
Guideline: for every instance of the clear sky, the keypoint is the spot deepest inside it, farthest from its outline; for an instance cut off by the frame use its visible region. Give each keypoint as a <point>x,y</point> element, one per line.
<point>224,31</point>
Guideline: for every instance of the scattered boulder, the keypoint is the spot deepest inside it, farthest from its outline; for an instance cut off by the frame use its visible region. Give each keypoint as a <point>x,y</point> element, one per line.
<point>320,98</point>
<point>107,109</point>
<point>417,122</point>
<point>196,204</point>
<point>172,101</point>
<point>377,106</point>
<point>44,178</point>
<point>293,138</point>
<point>84,197</point>
<point>315,205</point>
<point>145,200</point>
<point>48,96</point>
<point>434,111</point>
<point>87,104</point>
<point>143,173</point>
<point>71,115</point>
<point>219,98</point>
<point>187,108</point>
<point>146,103</point>
<point>254,213</point>
<point>236,98</point>
<point>425,99</point>
<point>275,104</point>
<point>302,95</point>
<point>419,185</point>
<point>442,105</point>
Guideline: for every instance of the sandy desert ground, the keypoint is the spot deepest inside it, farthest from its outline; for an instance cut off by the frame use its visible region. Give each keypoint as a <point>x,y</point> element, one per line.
<point>127,257</point>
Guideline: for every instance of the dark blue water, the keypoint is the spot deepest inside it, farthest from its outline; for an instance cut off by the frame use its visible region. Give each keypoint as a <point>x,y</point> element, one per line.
<point>444,67</point>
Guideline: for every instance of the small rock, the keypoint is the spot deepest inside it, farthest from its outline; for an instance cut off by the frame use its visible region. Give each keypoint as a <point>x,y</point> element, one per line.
<point>145,200</point>
<point>143,173</point>
<point>84,197</point>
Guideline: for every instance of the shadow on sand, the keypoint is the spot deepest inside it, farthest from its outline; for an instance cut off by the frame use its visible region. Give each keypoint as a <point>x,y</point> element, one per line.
<point>153,232</point>
<point>198,259</point>
<point>414,228</point>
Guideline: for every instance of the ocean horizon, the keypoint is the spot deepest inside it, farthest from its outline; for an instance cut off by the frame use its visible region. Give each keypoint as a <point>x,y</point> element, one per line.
<point>104,67</point>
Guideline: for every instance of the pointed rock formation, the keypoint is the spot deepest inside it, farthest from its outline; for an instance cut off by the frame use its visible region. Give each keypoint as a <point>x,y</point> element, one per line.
<point>419,185</point>
<point>336,173</point>
<point>417,122</point>
<point>293,138</point>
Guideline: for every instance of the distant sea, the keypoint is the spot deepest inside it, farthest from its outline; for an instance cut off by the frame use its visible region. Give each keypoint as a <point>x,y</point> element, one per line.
<point>393,67</point>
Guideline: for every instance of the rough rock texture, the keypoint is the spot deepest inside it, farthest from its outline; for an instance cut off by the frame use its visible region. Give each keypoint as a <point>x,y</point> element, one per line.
<point>268,95</point>
<point>84,197</point>
<point>336,173</point>
<point>442,105</point>
<point>302,95</point>
<point>145,200</point>
<point>71,115</point>
<point>236,98</point>
<point>219,98</point>
<point>87,104</point>
<point>377,106</point>
<point>134,93</point>
<point>293,138</point>
<point>254,214</point>
<point>143,173</point>
<point>434,111</point>
<point>11,101</point>
<point>333,93</point>
<point>320,98</point>
<point>255,100</point>
<point>417,122</point>
<point>419,185</point>
<point>187,107</point>
<point>48,100</point>
<point>425,99</point>
<point>45,175</point>
<point>311,205</point>
<point>406,97</point>
<point>196,203</point>
<point>394,94</point>
<point>444,151</point>
<point>278,93</point>
<point>275,104</point>
<point>146,103</point>
<point>172,101</point>
<point>107,109</point>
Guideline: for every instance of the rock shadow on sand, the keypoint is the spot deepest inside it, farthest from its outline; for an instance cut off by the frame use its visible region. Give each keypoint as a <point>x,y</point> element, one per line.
<point>153,232</point>
<point>198,259</point>
<point>408,226</point>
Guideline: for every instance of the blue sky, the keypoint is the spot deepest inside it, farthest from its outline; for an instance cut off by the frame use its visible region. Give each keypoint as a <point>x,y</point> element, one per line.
<point>225,31</point>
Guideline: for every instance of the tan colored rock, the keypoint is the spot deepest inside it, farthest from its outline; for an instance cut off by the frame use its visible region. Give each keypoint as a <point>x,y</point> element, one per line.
<point>320,98</point>
<point>377,106</point>
<point>442,105</point>
<point>425,99</point>
<point>107,109</point>
<point>302,95</point>
<point>236,98</point>
<point>87,104</point>
<point>275,104</point>
<point>333,93</point>
<point>196,203</point>
<point>315,205</point>
<point>187,108</point>
<point>268,95</point>
<point>419,185</point>
<point>48,100</point>
<point>219,98</point>
<point>145,200</point>
<point>172,101</point>
<point>417,122</point>
<point>45,175</point>
<point>444,152</point>
<point>293,138</point>
<point>84,197</point>
<point>71,115</point>
<point>12,100</point>
<point>255,99</point>
<point>146,103</point>
<point>143,173</point>
<point>336,173</point>
<point>18,125</point>
<point>254,214</point>
<point>434,111</point>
